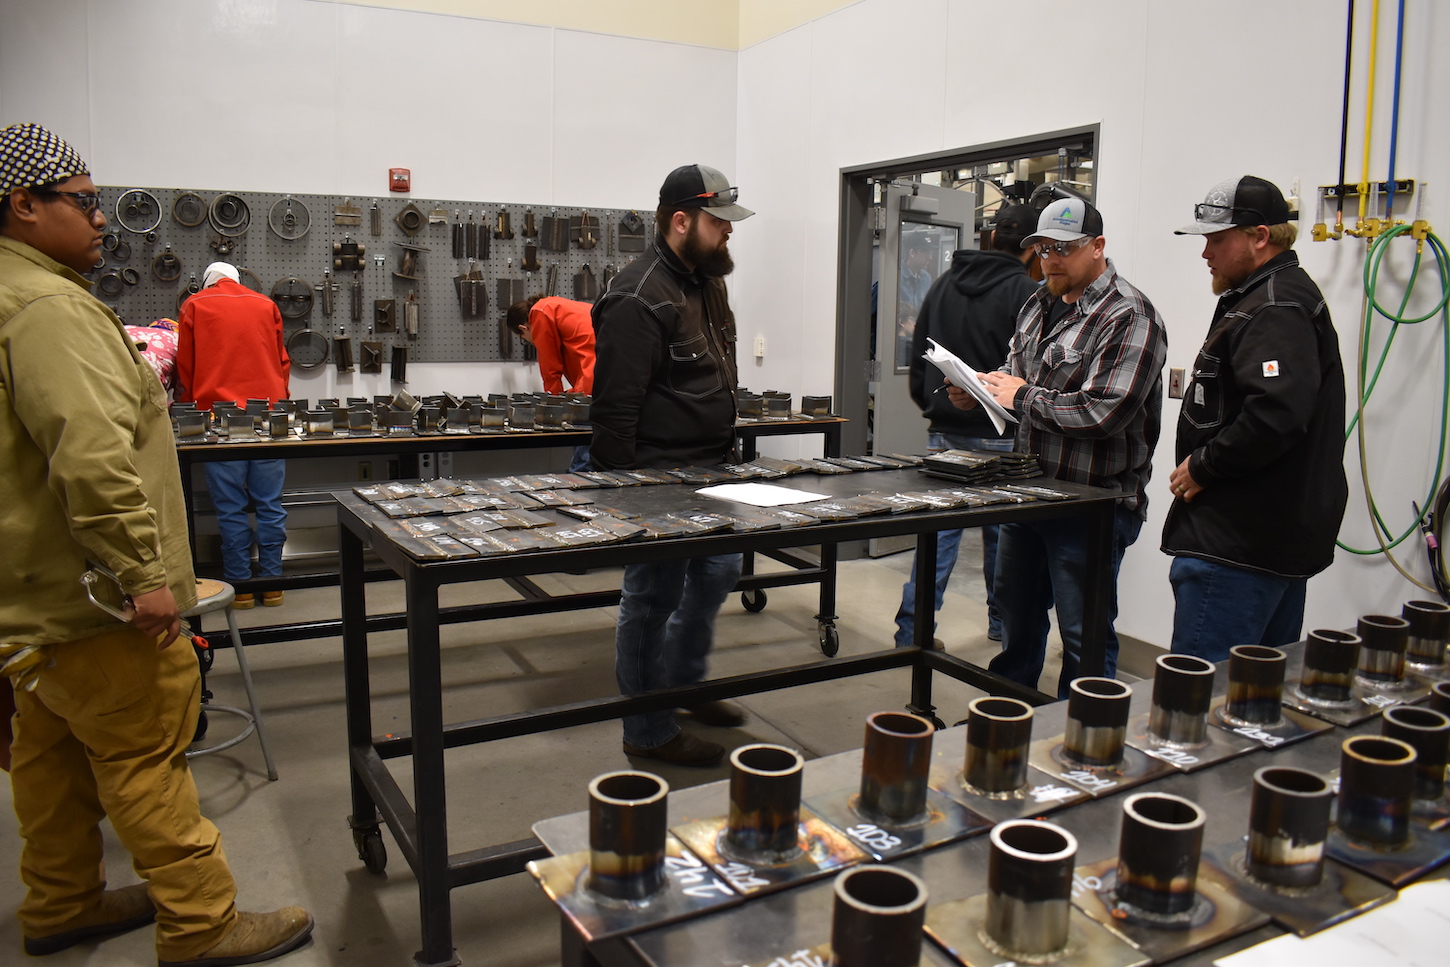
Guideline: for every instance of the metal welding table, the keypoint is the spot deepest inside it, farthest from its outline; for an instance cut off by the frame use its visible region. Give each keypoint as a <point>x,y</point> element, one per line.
<point>420,827</point>
<point>409,447</point>
<point>799,918</point>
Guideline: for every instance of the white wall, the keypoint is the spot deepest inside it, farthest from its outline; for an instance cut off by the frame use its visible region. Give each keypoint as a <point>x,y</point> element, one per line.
<point>292,95</point>
<point>1186,94</point>
<point>300,96</point>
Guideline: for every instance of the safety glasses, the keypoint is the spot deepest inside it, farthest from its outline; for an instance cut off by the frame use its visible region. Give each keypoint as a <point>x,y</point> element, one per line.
<point>1048,249</point>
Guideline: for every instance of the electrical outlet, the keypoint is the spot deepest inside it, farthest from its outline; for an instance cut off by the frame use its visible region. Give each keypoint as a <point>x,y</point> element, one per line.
<point>759,347</point>
<point>445,463</point>
<point>1175,383</point>
<point>365,470</point>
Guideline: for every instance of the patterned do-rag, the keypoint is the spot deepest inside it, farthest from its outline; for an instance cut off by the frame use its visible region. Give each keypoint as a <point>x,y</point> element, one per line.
<point>31,155</point>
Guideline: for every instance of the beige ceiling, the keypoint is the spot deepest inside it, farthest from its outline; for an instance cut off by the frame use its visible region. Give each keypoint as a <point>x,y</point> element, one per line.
<point>729,24</point>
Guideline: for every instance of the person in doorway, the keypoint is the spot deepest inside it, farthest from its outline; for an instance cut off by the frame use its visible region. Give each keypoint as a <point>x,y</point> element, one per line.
<point>664,396</point>
<point>1084,376</point>
<point>104,708</point>
<point>972,311</point>
<point>563,334</point>
<point>1259,490</point>
<point>231,348</point>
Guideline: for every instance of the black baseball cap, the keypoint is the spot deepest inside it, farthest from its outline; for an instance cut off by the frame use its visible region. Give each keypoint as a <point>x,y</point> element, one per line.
<point>700,186</point>
<point>1238,201</point>
<point>1015,222</point>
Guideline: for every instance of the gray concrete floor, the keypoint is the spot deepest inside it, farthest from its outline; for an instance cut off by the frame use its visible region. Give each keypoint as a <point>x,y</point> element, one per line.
<point>288,841</point>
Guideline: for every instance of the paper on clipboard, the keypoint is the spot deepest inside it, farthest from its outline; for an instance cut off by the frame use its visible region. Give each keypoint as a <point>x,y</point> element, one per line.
<point>966,377</point>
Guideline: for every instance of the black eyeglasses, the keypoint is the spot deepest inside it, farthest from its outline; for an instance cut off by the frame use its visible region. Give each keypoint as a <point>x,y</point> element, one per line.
<point>727,196</point>
<point>86,201</point>
<point>1229,216</point>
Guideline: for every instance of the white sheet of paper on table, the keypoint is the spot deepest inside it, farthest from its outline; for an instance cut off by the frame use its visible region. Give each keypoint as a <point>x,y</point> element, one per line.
<point>1411,932</point>
<point>961,374</point>
<point>760,495</point>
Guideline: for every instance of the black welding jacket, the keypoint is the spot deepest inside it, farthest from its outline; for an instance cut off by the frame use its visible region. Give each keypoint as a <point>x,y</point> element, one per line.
<point>664,372</point>
<point>1262,426</point>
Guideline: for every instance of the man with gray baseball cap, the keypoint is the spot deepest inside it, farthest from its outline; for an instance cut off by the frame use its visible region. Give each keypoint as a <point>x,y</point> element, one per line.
<point>664,396</point>
<point>1259,490</point>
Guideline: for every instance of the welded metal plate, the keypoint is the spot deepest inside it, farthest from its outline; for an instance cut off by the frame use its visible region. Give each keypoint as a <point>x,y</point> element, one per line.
<point>1041,795</point>
<point>1217,913</point>
<point>944,821</point>
<point>1291,727</point>
<point>690,888</point>
<point>1218,745</point>
<point>821,849</point>
<point>1342,894</point>
<point>818,956</point>
<point>1427,849</point>
<point>1363,705</point>
<point>1135,769</point>
<point>957,926</point>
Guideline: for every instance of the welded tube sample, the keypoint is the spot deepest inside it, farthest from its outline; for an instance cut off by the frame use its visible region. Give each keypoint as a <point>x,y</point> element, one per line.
<point>1255,684</point>
<point>1382,651</point>
<point>627,823</point>
<point>1029,886</point>
<point>1376,784</point>
<point>1182,693</point>
<point>894,767</point>
<point>1428,732</point>
<point>1097,721</point>
<point>1440,697</point>
<point>877,920</point>
<point>1330,658</point>
<point>1158,852</point>
<point>1288,823</point>
<point>1429,632</point>
<point>999,730</point>
<point>765,799</point>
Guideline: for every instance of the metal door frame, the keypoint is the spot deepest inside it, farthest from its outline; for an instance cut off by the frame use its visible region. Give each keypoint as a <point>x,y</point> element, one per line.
<point>853,253</point>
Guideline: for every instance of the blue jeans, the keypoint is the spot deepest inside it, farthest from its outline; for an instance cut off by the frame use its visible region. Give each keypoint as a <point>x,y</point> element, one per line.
<point>947,543</point>
<point>1038,563</point>
<point>579,459</point>
<point>666,626</point>
<point>1219,606</point>
<point>232,483</point>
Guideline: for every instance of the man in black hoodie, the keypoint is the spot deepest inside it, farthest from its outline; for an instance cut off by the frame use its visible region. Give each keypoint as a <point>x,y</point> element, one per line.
<point>971,310</point>
<point>1259,490</point>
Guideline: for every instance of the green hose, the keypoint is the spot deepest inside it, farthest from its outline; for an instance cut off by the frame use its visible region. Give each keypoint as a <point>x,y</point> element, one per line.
<point>1398,318</point>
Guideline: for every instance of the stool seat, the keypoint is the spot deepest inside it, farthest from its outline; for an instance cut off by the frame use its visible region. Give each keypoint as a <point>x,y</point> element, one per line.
<point>213,595</point>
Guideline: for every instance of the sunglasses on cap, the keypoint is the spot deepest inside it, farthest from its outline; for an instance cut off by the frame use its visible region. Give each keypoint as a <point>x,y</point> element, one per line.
<point>1204,212</point>
<point>727,196</point>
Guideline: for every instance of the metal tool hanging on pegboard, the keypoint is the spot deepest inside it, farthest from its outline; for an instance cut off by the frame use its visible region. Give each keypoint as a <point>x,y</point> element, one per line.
<point>554,234</point>
<point>472,292</point>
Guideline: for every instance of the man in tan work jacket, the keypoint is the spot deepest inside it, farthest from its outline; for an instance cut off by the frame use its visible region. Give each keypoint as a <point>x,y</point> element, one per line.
<point>104,708</point>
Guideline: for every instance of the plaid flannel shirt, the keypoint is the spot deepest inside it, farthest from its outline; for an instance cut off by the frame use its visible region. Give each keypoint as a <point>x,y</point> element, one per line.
<point>1093,403</point>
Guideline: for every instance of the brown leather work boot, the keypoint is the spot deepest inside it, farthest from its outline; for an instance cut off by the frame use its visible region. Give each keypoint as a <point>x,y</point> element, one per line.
<point>254,938</point>
<point>273,599</point>
<point>119,911</point>
<point>244,602</point>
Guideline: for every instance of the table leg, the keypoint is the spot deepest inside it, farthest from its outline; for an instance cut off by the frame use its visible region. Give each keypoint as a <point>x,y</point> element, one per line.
<point>358,700</point>
<point>425,687</point>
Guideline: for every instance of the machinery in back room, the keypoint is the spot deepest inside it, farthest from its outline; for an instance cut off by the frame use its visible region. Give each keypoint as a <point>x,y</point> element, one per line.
<point>363,305</point>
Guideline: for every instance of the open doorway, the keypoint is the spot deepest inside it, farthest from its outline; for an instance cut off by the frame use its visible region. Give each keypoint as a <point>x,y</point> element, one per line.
<point>899,226</point>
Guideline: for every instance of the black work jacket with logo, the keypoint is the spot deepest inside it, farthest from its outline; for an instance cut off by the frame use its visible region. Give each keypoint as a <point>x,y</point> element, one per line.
<point>665,372</point>
<point>1262,428</point>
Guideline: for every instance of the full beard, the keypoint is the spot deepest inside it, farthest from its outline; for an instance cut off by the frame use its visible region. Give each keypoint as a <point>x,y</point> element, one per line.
<point>712,262</point>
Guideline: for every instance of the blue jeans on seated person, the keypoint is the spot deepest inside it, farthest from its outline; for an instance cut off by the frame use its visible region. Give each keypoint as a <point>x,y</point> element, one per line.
<point>947,543</point>
<point>1218,606</point>
<point>1046,561</point>
<point>233,483</point>
<point>666,626</point>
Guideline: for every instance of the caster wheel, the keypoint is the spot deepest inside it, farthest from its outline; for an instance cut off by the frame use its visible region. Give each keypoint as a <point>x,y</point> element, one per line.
<point>371,850</point>
<point>829,639</point>
<point>753,600</point>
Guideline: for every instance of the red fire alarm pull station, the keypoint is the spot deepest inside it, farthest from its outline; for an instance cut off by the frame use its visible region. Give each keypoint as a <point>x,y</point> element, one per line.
<point>400,179</point>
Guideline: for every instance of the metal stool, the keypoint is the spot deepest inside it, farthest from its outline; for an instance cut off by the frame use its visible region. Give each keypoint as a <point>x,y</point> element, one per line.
<point>213,595</point>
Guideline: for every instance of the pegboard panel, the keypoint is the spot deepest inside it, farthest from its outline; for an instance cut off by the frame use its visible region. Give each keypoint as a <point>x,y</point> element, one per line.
<point>153,238</point>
